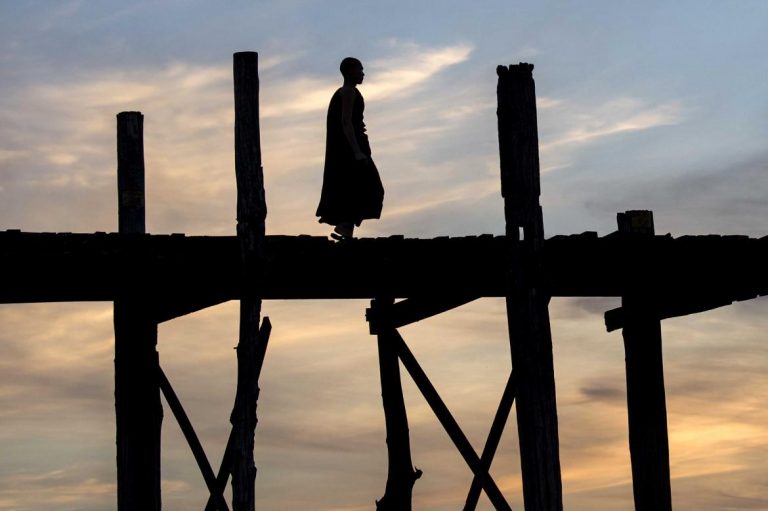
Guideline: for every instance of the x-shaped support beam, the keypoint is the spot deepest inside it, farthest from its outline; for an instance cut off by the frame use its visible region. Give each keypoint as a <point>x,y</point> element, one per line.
<point>218,482</point>
<point>478,464</point>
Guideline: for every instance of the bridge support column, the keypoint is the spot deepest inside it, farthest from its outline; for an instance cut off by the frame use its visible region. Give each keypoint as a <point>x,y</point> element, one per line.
<point>527,301</point>
<point>646,400</point>
<point>400,473</point>
<point>138,411</point>
<point>251,218</point>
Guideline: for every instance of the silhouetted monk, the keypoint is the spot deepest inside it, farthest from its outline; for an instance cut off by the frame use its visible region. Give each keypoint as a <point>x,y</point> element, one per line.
<point>352,189</point>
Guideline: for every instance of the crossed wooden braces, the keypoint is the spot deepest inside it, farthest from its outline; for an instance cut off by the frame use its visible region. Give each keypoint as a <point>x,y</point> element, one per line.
<point>384,318</point>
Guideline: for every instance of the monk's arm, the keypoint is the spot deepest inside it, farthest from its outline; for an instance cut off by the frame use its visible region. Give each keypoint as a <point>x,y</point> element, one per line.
<point>347,104</point>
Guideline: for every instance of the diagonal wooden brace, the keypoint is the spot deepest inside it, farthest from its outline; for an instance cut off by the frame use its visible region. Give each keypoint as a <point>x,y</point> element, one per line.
<point>492,443</point>
<point>449,423</point>
<point>226,461</point>
<point>412,310</point>
<point>194,442</point>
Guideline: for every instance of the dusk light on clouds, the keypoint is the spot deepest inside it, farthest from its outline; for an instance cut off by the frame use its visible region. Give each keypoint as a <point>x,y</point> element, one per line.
<point>653,105</point>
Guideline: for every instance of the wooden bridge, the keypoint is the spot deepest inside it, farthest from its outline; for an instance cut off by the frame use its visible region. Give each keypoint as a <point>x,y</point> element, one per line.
<point>155,278</point>
<point>701,272</point>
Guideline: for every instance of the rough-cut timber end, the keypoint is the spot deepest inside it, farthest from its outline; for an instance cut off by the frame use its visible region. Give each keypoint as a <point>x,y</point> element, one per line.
<point>128,113</point>
<point>518,146</point>
<point>522,67</point>
<point>636,222</point>
<point>130,172</point>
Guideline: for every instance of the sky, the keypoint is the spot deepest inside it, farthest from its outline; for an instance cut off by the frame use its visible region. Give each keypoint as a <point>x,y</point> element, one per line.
<point>653,105</point>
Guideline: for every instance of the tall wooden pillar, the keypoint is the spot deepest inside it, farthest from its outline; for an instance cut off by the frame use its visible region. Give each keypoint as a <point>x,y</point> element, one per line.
<point>527,302</point>
<point>251,217</point>
<point>138,411</point>
<point>646,400</point>
<point>400,473</point>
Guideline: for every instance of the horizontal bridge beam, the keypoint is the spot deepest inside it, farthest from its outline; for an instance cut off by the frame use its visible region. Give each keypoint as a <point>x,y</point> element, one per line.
<point>189,272</point>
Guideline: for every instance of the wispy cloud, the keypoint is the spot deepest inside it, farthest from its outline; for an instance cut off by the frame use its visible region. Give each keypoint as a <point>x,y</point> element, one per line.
<point>56,489</point>
<point>713,196</point>
<point>401,74</point>
<point>622,115</point>
<point>388,78</point>
<point>188,139</point>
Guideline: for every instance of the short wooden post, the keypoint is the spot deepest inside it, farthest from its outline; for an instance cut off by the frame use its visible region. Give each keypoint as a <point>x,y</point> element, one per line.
<point>251,216</point>
<point>138,411</point>
<point>646,401</point>
<point>400,474</point>
<point>130,173</point>
<point>527,302</point>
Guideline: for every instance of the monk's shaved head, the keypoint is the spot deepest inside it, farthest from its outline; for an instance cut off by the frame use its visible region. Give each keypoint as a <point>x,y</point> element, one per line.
<point>348,65</point>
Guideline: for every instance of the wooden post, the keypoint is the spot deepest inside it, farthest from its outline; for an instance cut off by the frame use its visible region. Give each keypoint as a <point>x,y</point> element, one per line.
<point>138,411</point>
<point>646,401</point>
<point>226,462</point>
<point>527,302</point>
<point>251,216</point>
<point>400,474</point>
<point>130,173</point>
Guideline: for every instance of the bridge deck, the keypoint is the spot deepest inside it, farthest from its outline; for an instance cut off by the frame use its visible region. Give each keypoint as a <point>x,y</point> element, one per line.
<point>52,267</point>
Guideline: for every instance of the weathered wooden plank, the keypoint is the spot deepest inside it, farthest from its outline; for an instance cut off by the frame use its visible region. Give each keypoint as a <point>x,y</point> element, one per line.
<point>527,296</point>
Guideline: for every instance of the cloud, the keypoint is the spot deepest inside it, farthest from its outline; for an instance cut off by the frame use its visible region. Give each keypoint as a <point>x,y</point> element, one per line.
<point>711,197</point>
<point>388,78</point>
<point>320,419</point>
<point>617,116</point>
<point>188,141</point>
<point>61,488</point>
<point>406,72</point>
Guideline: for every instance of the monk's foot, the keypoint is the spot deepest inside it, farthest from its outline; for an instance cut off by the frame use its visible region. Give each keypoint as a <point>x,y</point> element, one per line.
<point>345,229</point>
<point>340,237</point>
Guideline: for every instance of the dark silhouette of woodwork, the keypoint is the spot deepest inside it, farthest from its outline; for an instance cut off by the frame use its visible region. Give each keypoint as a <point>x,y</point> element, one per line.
<point>527,298</point>
<point>138,411</point>
<point>194,442</point>
<point>646,400</point>
<point>401,475</point>
<point>153,278</point>
<point>251,215</point>
<point>187,273</point>
<point>381,325</point>
<point>492,443</point>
